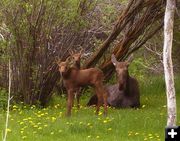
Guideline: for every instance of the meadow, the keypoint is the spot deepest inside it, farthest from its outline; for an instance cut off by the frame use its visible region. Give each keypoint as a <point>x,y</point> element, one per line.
<point>50,124</point>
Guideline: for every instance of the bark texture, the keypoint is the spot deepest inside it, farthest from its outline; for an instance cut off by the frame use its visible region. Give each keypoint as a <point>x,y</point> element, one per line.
<point>167,61</point>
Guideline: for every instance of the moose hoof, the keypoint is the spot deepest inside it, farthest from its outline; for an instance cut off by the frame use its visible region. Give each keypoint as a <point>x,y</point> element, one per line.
<point>105,114</point>
<point>68,114</point>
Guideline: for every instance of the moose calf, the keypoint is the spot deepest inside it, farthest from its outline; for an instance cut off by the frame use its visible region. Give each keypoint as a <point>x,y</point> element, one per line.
<point>74,78</point>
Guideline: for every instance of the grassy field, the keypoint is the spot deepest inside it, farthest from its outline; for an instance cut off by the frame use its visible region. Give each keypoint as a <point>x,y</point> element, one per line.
<point>50,124</point>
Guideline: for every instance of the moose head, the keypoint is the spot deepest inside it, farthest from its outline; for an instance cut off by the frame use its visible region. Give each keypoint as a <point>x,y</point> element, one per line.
<point>63,65</point>
<point>76,56</point>
<point>122,72</point>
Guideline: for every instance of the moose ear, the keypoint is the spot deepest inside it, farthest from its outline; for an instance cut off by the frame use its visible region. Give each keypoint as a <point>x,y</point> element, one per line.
<point>130,58</point>
<point>113,60</point>
<point>127,63</point>
<point>71,52</point>
<point>82,50</point>
<point>57,60</point>
<point>68,59</point>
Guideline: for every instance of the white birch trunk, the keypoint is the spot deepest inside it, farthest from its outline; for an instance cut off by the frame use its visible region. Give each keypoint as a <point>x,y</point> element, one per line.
<point>8,105</point>
<point>167,61</point>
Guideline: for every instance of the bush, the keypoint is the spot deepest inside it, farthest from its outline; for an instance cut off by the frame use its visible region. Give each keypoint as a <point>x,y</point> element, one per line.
<point>3,98</point>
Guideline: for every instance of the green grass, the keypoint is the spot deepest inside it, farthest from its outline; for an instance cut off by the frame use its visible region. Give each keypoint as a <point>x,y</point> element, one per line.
<point>50,124</point>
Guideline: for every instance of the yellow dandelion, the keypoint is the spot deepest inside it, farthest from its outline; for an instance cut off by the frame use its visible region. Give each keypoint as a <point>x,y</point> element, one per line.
<point>67,123</point>
<point>105,121</point>
<point>53,118</point>
<point>52,133</point>
<point>143,106</point>
<point>97,137</point>
<point>8,130</point>
<point>39,128</point>
<point>14,106</point>
<point>31,121</point>
<point>109,129</point>
<point>44,109</point>
<point>136,133</point>
<point>39,123</point>
<point>89,136</point>
<point>24,137</point>
<point>164,106</point>
<point>35,126</point>
<point>60,131</point>
<point>129,134</point>
<point>22,132</point>
<point>21,123</point>
<point>100,113</point>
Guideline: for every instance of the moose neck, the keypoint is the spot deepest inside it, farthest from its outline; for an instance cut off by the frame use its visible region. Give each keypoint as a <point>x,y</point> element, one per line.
<point>124,85</point>
<point>66,74</point>
<point>77,64</point>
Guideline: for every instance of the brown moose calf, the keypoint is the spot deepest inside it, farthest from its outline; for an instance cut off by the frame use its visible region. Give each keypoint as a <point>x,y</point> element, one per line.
<point>74,78</point>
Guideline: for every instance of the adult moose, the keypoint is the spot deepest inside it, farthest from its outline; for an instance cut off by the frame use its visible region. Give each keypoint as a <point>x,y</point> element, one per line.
<point>124,94</point>
<point>74,78</point>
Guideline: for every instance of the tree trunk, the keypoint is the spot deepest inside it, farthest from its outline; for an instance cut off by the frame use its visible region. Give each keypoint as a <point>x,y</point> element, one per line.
<point>167,61</point>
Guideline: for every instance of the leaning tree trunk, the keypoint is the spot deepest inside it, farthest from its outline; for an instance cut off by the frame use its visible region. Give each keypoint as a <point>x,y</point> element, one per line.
<point>137,30</point>
<point>167,61</point>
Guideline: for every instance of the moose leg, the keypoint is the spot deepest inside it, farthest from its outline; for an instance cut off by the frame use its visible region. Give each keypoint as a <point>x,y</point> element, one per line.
<point>103,94</point>
<point>78,98</point>
<point>105,102</point>
<point>70,102</point>
<point>100,100</point>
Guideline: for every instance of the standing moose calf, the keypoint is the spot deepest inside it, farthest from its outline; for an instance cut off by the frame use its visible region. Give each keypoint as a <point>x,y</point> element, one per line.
<point>124,94</point>
<point>76,57</point>
<point>75,78</point>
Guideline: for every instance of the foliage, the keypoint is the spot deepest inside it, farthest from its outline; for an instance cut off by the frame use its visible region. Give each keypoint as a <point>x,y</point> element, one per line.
<point>3,99</point>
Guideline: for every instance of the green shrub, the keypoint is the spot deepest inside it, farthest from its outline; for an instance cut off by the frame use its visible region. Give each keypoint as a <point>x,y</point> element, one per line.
<point>3,98</point>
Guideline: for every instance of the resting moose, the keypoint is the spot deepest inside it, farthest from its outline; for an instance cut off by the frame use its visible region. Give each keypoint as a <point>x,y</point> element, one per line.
<point>124,94</point>
<point>74,78</point>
